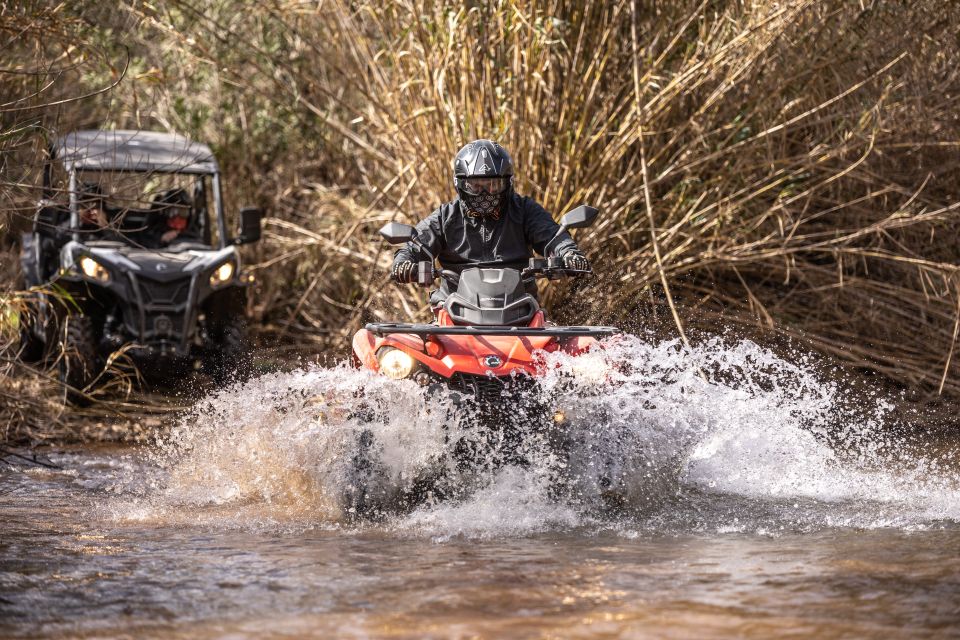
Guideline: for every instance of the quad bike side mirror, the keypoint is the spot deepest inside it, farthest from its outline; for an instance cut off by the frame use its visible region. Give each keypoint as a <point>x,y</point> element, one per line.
<point>398,233</point>
<point>579,218</point>
<point>582,216</point>
<point>250,218</point>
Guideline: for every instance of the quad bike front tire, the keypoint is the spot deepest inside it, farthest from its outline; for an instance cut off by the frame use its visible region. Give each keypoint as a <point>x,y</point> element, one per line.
<point>78,362</point>
<point>363,496</point>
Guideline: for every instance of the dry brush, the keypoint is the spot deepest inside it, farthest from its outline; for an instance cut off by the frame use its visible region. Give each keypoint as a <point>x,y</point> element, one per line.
<point>783,168</point>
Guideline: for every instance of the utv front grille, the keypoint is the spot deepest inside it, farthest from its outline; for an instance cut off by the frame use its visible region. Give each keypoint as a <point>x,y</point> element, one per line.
<point>165,293</point>
<point>162,313</point>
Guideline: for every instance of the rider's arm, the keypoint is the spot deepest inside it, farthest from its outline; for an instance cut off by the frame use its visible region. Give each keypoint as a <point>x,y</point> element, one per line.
<point>430,235</point>
<point>540,229</point>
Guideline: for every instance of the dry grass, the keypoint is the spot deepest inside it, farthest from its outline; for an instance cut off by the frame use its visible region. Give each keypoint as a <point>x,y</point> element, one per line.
<point>782,165</point>
<point>49,54</point>
<point>784,168</point>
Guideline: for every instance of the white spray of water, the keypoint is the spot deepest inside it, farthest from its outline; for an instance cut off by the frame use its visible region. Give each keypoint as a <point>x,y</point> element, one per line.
<point>721,437</point>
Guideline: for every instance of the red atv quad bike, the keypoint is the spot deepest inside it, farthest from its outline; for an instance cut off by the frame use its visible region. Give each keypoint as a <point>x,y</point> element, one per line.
<point>486,345</point>
<point>489,331</point>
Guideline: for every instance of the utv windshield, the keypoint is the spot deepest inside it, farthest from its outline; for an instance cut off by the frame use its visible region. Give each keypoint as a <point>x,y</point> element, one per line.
<point>151,210</point>
<point>151,189</point>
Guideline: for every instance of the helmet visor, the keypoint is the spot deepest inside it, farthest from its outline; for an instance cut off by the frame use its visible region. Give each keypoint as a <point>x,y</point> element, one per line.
<point>478,186</point>
<point>178,210</point>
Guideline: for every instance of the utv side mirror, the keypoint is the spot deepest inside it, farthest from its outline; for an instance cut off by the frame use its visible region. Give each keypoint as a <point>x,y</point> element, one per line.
<point>397,232</point>
<point>582,216</point>
<point>249,225</point>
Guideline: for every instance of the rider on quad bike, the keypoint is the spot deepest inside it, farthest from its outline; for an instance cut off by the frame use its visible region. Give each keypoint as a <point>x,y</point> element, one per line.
<point>488,347</point>
<point>488,225</point>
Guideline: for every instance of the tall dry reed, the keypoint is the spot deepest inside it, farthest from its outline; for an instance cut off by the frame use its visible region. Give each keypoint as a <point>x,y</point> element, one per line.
<point>783,165</point>
<point>784,168</point>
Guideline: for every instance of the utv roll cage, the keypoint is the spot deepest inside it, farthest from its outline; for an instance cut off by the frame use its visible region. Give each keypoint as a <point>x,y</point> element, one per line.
<point>134,152</point>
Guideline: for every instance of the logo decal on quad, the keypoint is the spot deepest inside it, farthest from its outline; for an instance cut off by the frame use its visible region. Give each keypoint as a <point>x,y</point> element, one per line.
<point>492,361</point>
<point>161,267</point>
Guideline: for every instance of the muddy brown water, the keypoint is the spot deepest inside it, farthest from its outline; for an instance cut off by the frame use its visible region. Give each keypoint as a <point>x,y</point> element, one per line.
<point>68,570</point>
<point>757,505</point>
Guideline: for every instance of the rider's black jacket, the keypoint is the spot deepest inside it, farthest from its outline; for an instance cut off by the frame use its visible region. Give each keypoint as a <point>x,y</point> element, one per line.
<point>460,242</point>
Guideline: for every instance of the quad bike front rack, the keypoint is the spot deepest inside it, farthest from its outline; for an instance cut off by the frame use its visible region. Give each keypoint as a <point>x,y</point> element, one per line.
<point>384,328</point>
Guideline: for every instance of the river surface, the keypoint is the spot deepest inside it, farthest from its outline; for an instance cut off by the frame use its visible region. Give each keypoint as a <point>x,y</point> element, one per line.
<point>754,500</point>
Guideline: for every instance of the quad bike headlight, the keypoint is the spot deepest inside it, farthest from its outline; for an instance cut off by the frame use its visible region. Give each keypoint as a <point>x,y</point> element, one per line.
<point>94,270</point>
<point>397,364</point>
<point>222,275</point>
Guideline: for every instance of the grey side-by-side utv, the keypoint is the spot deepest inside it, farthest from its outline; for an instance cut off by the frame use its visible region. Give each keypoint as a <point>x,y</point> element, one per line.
<point>130,250</point>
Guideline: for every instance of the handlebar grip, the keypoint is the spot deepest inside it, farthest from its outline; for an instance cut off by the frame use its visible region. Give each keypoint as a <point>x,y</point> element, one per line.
<point>425,275</point>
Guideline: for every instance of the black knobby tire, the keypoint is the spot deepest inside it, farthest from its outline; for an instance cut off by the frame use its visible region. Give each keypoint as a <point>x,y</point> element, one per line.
<point>78,362</point>
<point>32,348</point>
<point>229,358</point>
<point>363,496</point>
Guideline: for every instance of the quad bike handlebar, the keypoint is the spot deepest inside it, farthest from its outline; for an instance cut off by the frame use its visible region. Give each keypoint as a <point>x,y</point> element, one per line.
<point>387,328</point>
<point>550,268</point>
<point>427,274</point>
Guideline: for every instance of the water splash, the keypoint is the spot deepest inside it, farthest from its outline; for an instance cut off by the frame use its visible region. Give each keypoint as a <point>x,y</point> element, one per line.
<point>721,437</point>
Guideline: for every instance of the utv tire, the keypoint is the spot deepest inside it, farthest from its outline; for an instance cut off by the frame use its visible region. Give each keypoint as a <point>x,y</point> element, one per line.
<point>78,362</point>
<point>32,349</point>
<point>230,358</point>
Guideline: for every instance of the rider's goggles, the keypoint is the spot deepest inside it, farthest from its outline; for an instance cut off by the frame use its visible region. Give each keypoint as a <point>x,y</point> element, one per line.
<point>178,211</point>
<point>478,186</point>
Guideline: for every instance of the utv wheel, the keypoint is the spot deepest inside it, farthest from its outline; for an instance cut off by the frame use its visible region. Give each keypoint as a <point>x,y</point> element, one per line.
<point>78,363</point>
<point>31,348</point>
<point>230,357</point>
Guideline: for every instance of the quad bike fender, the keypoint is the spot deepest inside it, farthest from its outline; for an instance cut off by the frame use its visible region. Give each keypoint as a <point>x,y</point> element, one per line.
<point>578,345</point>
<point>453,354</point>
<point>366,345</point>
<point>479,355</point>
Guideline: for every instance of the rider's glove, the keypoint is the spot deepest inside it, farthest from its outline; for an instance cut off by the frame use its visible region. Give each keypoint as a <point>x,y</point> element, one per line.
<point>576,261</point>
<point>405,271</point>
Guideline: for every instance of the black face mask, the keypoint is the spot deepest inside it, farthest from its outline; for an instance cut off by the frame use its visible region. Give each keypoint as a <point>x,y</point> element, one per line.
<point>484,205</point>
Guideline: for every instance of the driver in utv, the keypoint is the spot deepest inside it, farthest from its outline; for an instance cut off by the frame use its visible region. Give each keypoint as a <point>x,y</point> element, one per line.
<point>488,225</point>
<point>90,202</point>
<point>172,219</point>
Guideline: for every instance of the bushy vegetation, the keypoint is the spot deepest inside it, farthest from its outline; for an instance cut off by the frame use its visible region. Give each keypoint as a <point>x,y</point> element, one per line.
<point>781,168</point>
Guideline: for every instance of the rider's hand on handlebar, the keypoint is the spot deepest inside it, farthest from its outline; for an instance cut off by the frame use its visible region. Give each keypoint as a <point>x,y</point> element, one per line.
<point>576,261</point>
<point>405,272</point>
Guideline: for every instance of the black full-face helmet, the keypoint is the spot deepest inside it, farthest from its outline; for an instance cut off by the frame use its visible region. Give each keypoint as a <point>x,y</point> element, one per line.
<point>175,202</point>
<point>483,176</point>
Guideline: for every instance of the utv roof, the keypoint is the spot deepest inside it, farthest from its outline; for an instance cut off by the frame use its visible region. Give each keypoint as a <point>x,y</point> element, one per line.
<point>123,150</point>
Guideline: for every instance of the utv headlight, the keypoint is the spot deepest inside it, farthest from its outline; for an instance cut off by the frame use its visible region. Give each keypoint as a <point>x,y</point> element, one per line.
<point>397,364</point>
<point>94,270</point>
<point>222,275</point>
